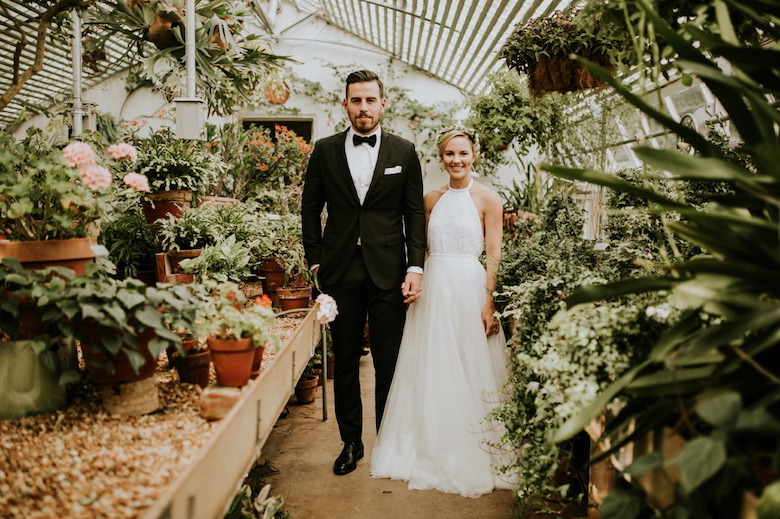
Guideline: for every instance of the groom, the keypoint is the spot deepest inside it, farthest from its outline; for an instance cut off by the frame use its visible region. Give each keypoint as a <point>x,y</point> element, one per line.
<point>369,256</point>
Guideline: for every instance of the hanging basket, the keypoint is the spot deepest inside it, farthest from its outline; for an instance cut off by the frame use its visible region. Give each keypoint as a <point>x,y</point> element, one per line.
<point>559,73</point>
<point>278,93</point>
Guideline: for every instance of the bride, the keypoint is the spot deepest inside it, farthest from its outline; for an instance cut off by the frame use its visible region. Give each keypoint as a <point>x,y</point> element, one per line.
<point>452,361</point>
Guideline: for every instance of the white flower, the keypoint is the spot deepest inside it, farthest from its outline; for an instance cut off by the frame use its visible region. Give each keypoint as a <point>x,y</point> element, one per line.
<point>326,308</point>
<point>661,313</point>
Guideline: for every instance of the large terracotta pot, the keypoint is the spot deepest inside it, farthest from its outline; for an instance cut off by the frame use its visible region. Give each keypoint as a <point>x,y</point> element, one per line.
<point>306,390</point>
<point>163,203</point>
<point>194,368</point>
<point>176,256</point>
<point>232,360</point>
<point>73,253</point>
<point>272,275</point>
<point>257,362</point>
<point>122,370</point>
<point>293,298</point>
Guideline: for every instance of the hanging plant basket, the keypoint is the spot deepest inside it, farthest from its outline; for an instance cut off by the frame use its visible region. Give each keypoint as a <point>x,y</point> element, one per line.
<point>541,48</point>
<point>277,93</point>
<point>559,73</point>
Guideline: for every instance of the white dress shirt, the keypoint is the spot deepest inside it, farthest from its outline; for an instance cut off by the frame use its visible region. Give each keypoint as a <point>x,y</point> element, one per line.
<point>361,160</point>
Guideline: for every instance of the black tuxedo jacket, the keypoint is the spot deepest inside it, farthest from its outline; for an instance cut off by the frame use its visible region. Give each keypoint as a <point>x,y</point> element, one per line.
<point>390,223</point>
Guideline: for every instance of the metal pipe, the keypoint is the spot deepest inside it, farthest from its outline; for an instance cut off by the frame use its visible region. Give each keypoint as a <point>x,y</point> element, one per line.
<point>77,108</point>
<point>189,47</point>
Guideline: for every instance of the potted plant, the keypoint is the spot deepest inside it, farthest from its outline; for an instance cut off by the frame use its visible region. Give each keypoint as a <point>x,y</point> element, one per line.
<point>176,168</point>
<point>122,327</point>
<point>236,332</point>
<point>131,244</point>
<point>541,49</point>
<point>53,199</point>
<point>34,371</point>
<point>192,360</point>
<point>284,263</point>
<point>227,260</point>
<point>208,225</point>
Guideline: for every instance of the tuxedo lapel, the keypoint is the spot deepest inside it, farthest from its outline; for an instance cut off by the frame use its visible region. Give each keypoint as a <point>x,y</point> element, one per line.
<point>343,166</point>
<point>381,161</point>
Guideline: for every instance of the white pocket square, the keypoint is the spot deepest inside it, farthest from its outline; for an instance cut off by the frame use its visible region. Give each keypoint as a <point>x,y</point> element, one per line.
<point>393,171</point>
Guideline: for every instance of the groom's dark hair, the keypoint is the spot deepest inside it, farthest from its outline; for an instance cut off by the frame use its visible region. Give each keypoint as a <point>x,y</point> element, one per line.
<point>363,76</point>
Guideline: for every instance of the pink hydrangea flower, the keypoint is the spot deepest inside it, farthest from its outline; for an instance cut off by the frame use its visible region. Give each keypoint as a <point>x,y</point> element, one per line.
<point>123,151</point>
<point>78,154</point>
<point>95,177</point>
<point>326,308</point>
<point>137,181</point>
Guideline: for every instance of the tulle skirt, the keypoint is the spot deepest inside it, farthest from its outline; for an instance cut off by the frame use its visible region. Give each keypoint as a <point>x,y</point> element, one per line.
<point>448,378</point>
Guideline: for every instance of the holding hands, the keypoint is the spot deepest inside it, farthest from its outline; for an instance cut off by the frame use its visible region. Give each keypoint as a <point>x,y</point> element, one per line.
<point>411,288</point>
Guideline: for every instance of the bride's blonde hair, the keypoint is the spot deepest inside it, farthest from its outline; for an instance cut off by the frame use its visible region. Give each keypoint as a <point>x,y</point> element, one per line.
<point>457,130</point>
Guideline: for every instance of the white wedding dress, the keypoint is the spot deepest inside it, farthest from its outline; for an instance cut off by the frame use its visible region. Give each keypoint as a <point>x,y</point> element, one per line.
<point>449,375</point>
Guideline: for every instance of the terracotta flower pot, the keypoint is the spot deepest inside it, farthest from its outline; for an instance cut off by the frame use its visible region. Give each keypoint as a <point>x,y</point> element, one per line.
<point>292,298</point>
<point>306,390</point>
<point>257,362</point>
<point>176,256</point>
<point>74,253</point>
<point>232,360</point>
<point>98,368</point>
<point>278,94</point>
<point>272,275</point>
<point>194,368</point>
<point>163,203</point>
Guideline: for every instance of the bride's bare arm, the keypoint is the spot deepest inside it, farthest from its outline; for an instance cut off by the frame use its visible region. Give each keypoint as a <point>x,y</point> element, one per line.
<point>493,214</point>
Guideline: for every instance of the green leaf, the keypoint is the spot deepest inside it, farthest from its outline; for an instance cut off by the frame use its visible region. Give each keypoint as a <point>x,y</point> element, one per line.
<point>112,342</point>
<point>768,506</point>
<point>93,312</point>
<point>686,79</point>
<point>38,346</point>
<point>68,376</point>
<point>136,360</point>
<point>622,504</point>
<point>721,409</point>
<point>150,317</point>
<point>156,346</point>
<point>699,460</point>
<point>591,293</point>
<point>758,420</point>
<point>644,463</point>
<point>130,299</point>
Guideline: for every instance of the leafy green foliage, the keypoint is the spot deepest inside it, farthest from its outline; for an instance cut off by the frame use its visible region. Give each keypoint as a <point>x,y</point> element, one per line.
<point>724,346</point>
<point>130,241</point>
<point>233,65</point>
<point>560,33</point>
<point>503,116</point>
<point>171,163</point>
<point>226,260</point>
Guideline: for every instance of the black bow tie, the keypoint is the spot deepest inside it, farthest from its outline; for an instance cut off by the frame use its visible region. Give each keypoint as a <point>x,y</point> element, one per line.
<point>357,140</point>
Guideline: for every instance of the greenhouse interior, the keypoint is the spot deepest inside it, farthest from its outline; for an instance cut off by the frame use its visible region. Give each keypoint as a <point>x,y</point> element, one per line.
<point>241,239</point>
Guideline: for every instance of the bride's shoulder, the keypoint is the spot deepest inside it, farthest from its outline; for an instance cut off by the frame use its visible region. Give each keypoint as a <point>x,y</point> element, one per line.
<point>485,193</point>
<point>433,196</point>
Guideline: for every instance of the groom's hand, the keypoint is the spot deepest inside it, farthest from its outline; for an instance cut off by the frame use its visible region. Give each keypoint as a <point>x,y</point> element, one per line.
<point>411,288</point>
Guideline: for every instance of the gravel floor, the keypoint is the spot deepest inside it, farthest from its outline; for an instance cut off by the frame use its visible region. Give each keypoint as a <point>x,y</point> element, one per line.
<point>81,462</point>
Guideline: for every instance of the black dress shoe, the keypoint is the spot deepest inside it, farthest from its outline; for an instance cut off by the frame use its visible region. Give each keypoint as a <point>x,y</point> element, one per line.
<point>347,460</point>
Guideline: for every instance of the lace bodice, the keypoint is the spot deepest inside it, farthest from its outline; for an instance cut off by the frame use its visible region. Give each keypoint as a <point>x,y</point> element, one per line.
<point>454,226</point>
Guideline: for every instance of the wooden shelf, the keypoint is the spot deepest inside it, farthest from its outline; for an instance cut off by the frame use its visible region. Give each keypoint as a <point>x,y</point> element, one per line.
<point>206,488</point>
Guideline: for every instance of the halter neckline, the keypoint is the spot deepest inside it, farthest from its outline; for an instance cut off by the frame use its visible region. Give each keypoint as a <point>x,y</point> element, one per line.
<point>471,183</point>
